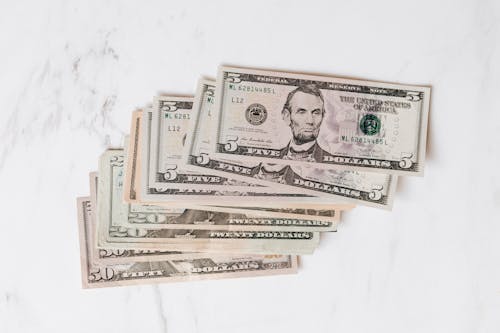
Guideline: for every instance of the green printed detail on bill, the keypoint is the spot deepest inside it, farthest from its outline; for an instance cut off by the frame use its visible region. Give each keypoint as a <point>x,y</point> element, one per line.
<point>370,124</point>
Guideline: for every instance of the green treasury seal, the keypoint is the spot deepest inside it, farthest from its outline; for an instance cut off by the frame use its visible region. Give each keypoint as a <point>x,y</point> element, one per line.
<point>369,124</point>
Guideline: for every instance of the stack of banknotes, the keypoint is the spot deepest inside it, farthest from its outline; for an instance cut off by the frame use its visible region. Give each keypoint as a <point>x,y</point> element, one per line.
<point>240,178</point>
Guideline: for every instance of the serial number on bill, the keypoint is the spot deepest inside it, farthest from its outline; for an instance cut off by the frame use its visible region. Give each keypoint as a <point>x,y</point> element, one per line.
<point>252,88</point>
<point>357,139</point>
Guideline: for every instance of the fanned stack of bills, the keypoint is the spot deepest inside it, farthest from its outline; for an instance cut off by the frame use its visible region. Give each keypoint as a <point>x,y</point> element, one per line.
<point>242,177</point>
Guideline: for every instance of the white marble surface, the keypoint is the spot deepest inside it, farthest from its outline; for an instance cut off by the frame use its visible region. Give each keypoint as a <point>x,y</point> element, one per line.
<point>71,74</point>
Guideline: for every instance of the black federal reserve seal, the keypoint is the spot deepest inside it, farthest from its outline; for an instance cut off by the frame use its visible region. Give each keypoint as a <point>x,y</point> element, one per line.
<point>256,114</point>
<point>369,124</point>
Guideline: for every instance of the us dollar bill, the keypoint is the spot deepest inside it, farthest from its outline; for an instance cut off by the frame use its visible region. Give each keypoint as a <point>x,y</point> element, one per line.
<point>287,210</point>
<point>170,118</point>
<point>368,188</point>
<point>86,219</point>
<point>320,121</point>
<point>226,218</point>
<point>174,195</point>
<point>138,150</point>
<point>298,213</point>
<point>113,218</point>
<point>181,267</point>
